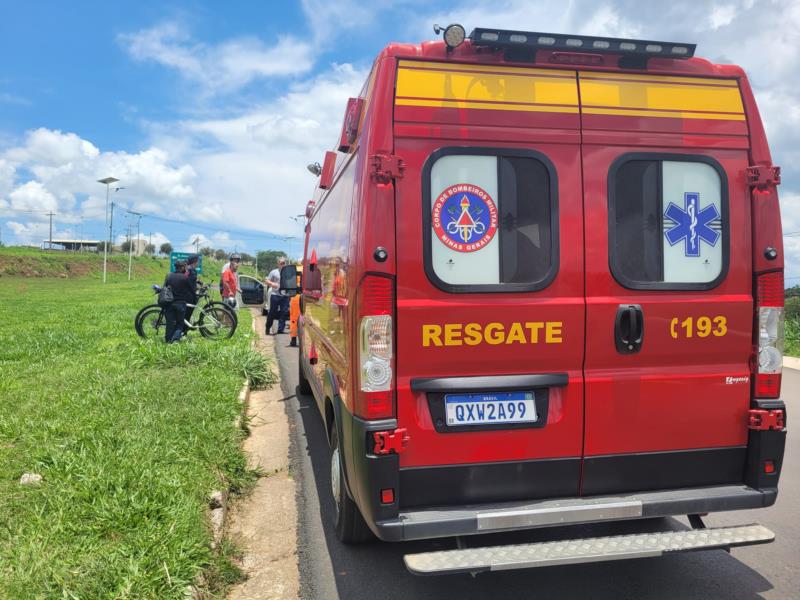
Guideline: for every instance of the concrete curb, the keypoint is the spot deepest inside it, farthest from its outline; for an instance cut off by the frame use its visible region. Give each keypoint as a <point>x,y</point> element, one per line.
<point>790,362</point>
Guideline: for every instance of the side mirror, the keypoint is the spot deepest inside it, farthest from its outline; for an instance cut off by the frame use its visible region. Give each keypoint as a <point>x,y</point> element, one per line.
<point>289,280</point>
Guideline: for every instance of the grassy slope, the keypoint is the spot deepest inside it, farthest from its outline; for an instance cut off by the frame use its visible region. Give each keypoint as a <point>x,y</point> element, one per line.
<point>130,436</point>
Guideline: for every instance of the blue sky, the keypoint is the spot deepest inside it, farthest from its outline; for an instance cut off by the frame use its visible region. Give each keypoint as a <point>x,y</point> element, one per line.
<point>208,112</point>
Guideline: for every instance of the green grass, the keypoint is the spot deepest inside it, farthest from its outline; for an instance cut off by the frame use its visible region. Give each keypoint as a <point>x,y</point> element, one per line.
<point>130,437</point>
<point>792,337</point>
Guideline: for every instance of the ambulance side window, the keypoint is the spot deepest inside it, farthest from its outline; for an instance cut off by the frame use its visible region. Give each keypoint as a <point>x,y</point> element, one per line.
<point>668,222</point>
<point>489,220</point>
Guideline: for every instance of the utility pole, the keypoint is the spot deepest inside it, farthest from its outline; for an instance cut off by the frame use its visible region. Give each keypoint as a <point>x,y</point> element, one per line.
<point>111,230</point>
<point>150,240</point>
<point>107,182</point>
<point>50,214</point>
<point>197,245</point>
<point>130,252</point>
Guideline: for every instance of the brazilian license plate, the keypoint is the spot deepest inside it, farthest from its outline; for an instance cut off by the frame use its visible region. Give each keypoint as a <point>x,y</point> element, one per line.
<point>490,408</point>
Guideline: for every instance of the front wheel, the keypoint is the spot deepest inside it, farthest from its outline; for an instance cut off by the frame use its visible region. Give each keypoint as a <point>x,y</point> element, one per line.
<point>151,323</point>
<point>222,305</point>
<point>348,522</point>
<point>217,323</point>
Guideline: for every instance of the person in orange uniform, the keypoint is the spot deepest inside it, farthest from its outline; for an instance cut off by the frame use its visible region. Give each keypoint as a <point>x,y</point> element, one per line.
<point>294,308</point>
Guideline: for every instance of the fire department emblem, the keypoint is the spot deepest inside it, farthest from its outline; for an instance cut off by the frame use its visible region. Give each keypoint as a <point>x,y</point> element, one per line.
<point>464,217</point>
<point>692,224</point>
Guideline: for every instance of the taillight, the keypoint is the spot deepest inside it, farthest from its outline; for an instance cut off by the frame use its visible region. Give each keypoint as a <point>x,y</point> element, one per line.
<point>769,307</point>
<point>375,397</point>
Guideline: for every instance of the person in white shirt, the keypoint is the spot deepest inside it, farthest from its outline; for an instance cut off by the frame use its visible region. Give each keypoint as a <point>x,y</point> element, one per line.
<point>279,301</point>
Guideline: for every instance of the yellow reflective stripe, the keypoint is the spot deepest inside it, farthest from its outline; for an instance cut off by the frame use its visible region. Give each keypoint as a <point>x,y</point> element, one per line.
<point>655,113</point>
<point>659,78</point>
<point>484,105</point>
<point>660,95</point>
<point>466,87</point>
<point>500,70</point>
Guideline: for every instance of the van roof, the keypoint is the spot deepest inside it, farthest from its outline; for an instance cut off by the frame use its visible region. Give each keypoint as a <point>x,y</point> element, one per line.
<point>470,52</point>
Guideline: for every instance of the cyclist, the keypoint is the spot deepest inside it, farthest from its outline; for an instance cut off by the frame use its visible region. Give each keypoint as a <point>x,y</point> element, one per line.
<point>234,257</point>
<point>191,273</point>
<point>230,281</point>
<point>182,292</point>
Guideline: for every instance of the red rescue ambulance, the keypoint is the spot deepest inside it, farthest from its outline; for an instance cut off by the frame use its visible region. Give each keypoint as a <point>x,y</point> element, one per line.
<point>543,286</point>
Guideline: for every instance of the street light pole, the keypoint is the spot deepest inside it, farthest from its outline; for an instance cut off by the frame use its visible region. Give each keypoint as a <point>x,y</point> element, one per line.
<point>130,243</point>
<point>107,181</point>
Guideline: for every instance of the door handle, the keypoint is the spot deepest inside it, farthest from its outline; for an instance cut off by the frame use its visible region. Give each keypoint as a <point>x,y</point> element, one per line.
<point>629,328</point>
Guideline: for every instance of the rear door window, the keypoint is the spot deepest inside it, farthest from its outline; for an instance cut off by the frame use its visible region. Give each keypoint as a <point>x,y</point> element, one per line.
<point>668,222</point>
<point>490,220</point>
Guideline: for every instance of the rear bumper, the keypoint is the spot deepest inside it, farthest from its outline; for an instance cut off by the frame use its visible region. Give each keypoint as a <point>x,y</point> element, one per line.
<point>508,516</point>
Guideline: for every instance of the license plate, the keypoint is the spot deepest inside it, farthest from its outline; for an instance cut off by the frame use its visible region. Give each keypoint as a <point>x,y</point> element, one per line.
<point>490,408</point>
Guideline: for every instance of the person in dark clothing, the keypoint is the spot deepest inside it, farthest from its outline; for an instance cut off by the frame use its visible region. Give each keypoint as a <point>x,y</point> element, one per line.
<point>183,292</point>
<point>191,273</point>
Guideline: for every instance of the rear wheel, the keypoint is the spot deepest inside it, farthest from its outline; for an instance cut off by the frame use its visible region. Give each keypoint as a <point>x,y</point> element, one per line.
<point>151,322</point>
<point>348,522</point>
<point>217,323</point>
<point>304,386</point>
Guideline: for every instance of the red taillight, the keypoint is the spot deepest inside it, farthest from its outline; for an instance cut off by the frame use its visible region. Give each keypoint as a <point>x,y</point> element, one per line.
<point>374,398</point>
<point>768,385</point>
<point>770,289</point>
<point>376,296</point>
<point>374,405</point>
<point>769,334</point>
<point>387,496</point>
<point>769,466</point>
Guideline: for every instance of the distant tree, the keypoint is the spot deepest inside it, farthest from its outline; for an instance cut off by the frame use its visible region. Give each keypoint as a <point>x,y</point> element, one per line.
<point>219,254</point>
<point>248,258</point>
<point>126,246</point>
<point>206,251</point>
<point>150,249</point>
<point>166,249</point>
<point>268,260</point>
<point>101,246</point>
<point>792,292</point>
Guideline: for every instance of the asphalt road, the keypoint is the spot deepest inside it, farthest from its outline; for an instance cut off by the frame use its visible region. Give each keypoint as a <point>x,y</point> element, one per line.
<point>332,570</point>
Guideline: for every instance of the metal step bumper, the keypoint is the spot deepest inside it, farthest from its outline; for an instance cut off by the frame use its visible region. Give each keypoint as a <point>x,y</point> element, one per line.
<point>488,518</point>
<point>566,552</point>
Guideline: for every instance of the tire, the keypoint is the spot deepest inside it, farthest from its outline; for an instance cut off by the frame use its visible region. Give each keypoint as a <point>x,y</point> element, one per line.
<point>224,307</point>
<point>217,323</point>
<point>303,386</point>
<point>151,322</point>
<point>138,319</point>
<point>348,523</point>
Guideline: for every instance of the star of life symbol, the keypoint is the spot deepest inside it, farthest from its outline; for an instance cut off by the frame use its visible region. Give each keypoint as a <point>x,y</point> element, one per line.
<point>692,224</point>
<point>464,217</point>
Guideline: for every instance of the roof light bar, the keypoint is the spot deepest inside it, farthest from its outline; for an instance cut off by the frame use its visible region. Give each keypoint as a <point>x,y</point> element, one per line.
<point>505,39</point>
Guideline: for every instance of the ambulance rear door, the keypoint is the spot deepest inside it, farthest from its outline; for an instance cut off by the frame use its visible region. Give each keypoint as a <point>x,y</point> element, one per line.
<point>490,301</point>
<point>668,282</point>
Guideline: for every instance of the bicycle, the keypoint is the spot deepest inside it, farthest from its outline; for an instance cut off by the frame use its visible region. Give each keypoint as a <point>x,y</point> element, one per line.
<point>213,319</point>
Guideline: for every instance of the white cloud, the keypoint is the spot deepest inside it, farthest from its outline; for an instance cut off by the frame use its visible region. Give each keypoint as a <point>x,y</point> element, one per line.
<point>255,176</point>
<point>34,233</point>
<point>32,196</point>
<point>7,175</point>
<point>65,169</point>
<point>222,67</point>
<point>721,15</point>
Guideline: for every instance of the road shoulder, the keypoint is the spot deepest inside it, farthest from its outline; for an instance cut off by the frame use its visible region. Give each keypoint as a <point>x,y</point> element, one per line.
<point>264,524</point>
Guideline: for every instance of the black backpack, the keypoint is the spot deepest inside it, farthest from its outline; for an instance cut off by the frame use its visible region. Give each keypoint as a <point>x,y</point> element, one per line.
<point>165,296</point>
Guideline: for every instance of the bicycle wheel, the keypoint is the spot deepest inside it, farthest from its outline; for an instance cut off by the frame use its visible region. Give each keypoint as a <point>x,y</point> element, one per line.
<point>216,323</point>
<point>137,321</point>
<point>225,307</point>
<point>152,323</point>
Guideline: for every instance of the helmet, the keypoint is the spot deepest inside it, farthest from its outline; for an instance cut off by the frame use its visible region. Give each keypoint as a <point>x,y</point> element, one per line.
<point>235,256</point>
